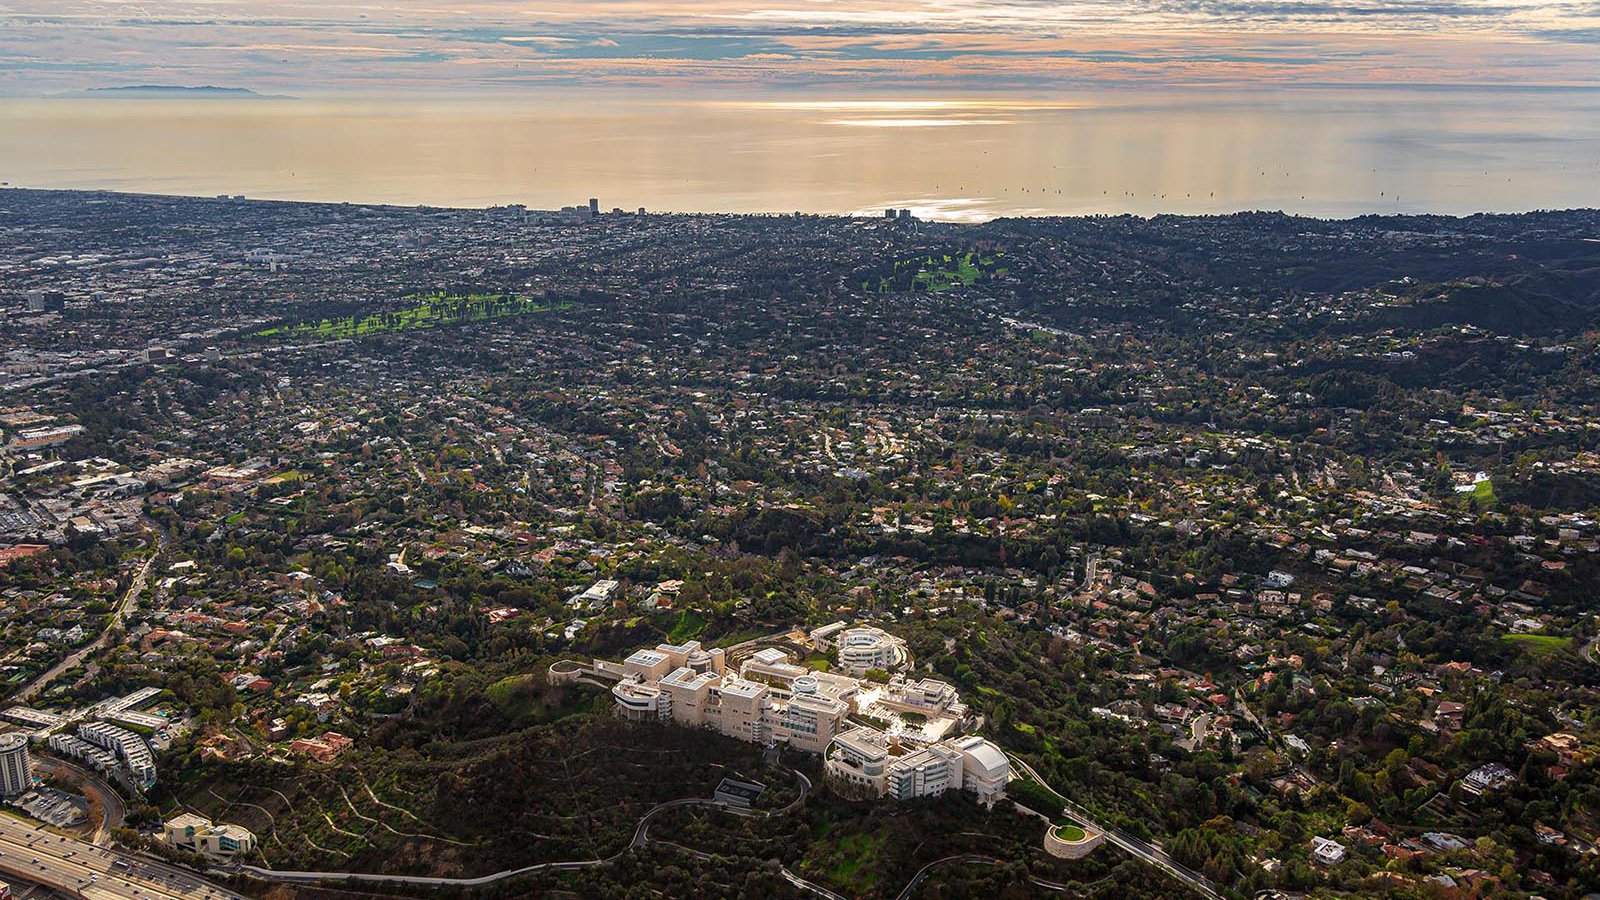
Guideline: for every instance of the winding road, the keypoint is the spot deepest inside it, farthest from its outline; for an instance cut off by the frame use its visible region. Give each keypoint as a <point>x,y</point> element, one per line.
<point>811,886</point>
<point>1150,853</point>
<point>922,873</point>
<point>112,808</point>
<point>641,836</point>
<point>76,657</point>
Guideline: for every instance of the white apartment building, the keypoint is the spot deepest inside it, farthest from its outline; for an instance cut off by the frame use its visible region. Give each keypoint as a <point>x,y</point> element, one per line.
<point>129,747</point>
<point>102,761</point>
<point>597,596</point>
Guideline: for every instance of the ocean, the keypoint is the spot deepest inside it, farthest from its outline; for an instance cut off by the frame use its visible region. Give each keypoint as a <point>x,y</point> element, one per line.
<point>1323,152</point>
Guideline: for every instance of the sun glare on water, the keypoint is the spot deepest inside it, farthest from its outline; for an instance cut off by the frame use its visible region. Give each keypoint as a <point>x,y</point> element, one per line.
<point>916,123</point>
<point>904,106</point>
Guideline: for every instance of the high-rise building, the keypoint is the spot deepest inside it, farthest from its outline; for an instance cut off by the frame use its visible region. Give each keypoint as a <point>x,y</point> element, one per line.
<point>46,301</point>
<point>594,206</point>
<point>16,766</point>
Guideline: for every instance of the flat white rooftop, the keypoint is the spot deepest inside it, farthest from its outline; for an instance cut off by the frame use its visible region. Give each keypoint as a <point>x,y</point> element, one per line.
<point>738,687</point>
<point>683,676</point>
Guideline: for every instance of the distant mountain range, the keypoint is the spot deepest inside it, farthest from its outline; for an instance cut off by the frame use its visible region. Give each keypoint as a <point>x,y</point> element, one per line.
<point>166,91</point>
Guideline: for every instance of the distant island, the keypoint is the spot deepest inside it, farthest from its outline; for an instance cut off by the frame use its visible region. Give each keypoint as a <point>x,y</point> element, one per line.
<point>165,91</point>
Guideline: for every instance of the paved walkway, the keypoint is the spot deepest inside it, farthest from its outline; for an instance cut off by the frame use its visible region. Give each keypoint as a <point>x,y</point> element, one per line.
<point>641,836</point>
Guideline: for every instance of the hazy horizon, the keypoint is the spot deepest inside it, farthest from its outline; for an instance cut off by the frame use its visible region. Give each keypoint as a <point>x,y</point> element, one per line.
<point>960,109</point>
<point>1328,153</point>
<point>298,46</point>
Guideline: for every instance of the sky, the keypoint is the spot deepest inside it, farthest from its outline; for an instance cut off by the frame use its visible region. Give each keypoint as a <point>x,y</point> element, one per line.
<point>869,47</point>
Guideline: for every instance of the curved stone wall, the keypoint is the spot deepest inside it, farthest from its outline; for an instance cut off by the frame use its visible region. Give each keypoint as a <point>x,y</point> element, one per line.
<point>1056,846</point>
<point>565,671</point>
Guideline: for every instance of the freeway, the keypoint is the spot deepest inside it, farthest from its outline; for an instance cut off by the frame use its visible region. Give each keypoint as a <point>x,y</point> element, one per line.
<point>82,870</point>
<point>1150,853</point>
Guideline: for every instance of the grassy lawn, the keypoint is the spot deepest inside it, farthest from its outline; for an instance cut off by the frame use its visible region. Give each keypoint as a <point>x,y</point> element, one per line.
<point>1070,833</point>
<point>1539,645</point>
<point>939,273</point>
<point>426,311</point>
<point>1483,492</point>
<point>688,627</point>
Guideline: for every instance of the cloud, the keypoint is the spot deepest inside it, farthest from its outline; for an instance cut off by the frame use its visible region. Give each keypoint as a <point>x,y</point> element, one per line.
<point>857,46</point>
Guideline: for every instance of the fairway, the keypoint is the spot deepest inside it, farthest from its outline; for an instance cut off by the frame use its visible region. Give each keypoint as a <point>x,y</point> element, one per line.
<point>937,273</point>
<point>426,311</point>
